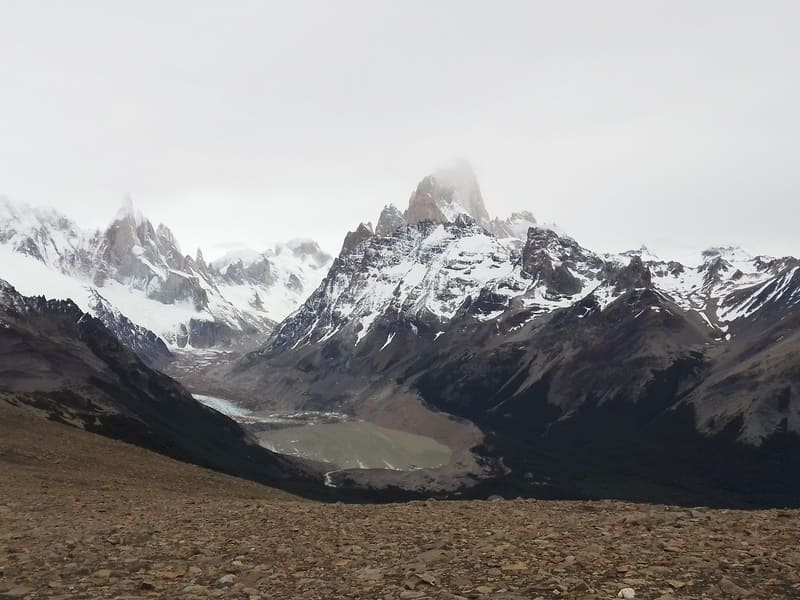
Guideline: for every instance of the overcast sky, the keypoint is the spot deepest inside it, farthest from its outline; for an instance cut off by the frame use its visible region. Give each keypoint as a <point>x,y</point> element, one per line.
<point>672,123</point>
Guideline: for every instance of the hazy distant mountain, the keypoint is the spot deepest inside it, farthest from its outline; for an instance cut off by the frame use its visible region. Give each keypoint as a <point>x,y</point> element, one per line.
<point>138,272</point>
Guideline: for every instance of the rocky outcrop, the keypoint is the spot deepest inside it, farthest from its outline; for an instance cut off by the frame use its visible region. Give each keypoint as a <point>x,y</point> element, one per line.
<point>391,219</point>
<point>353,238</point>
<point>440,197</point>
<point>551,260</point>
<point>632,276</point>
<point>200,333</point>
<point>516,226</point>
<point>146,344</point>
<point>135,253</point>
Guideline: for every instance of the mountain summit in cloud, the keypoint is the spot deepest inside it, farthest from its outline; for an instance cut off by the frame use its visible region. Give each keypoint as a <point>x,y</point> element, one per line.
<point>447,193</point>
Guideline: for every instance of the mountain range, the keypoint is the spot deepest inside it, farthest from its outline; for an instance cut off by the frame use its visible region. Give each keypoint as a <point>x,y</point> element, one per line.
<point>135,278</point>
<point>590,374</point>
<point>586,374</point>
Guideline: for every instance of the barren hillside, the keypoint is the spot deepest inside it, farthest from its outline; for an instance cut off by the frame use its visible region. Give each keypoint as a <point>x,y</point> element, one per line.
<point>82,516</point>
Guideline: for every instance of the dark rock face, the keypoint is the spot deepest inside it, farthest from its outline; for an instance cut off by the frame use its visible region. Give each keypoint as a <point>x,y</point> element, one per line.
<point>714,268</point>
<point>258,271</point>
<point>206,334</point>
<point>554,261</point>
<point>625,396</point>
<point>634,275</point>
<point>146,344</point>
<point>354,238</point>
<point>424,203</point>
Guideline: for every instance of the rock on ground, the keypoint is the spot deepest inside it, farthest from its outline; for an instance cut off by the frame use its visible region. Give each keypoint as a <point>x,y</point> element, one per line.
<point>86,517</point>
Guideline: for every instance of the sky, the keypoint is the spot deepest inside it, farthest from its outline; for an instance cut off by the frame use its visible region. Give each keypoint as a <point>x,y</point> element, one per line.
<point>668,123</point>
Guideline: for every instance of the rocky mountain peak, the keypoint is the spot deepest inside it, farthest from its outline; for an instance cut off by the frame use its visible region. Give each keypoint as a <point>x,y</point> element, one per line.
<point>728,253</point>
<point>553,260</point>
<point>200,260</point>
<point>179,297</point>
<point>164,233</point>
<point>354,238</point>
<point>129,213</point>
<point>391,218</point>
<point>442,196</point>
<point>42,233</point>
<point>516,226</point>
<point>644,253</point>
<point>714,268</point>
<point>635,275</point>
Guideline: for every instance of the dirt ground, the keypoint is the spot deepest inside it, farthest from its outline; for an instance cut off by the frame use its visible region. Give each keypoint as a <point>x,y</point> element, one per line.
<point>86,517</point>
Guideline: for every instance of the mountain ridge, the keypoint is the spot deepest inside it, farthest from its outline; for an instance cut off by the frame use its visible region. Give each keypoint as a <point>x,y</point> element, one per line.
<point>141,273</point>
<point>532,343</point>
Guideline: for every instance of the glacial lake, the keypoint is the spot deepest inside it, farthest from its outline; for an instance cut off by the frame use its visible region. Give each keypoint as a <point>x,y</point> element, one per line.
<point>335,439</point>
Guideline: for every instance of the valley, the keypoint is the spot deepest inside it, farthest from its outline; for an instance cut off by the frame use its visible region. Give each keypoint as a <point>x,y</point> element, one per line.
<point>372,300</point>
<point>441,353</point>
<point>335,439</point>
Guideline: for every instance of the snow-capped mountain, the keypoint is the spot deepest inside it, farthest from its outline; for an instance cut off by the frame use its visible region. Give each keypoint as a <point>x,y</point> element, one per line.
<point>275,281</point>
<point>514,227</point>
<point>443,196</point>
<point>539,343</point>
<point>138,275</point>
<point>436,262</point>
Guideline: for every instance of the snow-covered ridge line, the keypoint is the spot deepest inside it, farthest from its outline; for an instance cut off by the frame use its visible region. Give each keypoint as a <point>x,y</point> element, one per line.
<point>142,274</point>
<point>420,277</point>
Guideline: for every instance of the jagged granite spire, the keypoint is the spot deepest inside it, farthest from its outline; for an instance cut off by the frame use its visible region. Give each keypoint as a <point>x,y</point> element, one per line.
<point>442,196</point>
<point>391,218</point>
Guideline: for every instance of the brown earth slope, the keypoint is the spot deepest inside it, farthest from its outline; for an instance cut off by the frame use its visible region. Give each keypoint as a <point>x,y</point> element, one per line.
<point>83,516</point>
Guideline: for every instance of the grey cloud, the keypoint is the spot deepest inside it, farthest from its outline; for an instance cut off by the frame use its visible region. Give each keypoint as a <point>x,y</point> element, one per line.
<point>670,123</point>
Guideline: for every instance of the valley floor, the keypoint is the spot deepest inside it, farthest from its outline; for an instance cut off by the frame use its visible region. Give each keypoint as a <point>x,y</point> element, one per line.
<point>86,517</point>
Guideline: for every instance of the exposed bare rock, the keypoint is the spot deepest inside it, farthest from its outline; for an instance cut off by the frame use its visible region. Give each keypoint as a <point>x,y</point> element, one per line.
<point>440,197</point>
<point>634,275</point>
<point>391,218</point>
<point>354,238</point>
<point>516,226</point>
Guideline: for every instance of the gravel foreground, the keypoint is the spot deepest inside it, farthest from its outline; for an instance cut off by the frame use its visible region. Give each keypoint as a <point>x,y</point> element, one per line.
<point>86,517</point>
